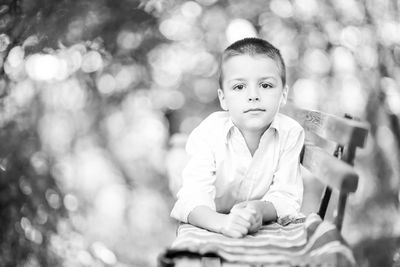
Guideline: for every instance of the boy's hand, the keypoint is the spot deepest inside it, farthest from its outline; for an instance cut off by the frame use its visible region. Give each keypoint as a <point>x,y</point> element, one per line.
<point>237,223</point>
<point>256,209</point>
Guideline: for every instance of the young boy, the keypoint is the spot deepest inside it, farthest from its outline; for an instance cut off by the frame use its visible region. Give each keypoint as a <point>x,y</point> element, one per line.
<point>244,167</point>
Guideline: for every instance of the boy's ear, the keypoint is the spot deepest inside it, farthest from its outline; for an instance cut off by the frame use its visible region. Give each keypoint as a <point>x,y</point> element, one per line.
<point>221,98</point>
<point>285,92</point>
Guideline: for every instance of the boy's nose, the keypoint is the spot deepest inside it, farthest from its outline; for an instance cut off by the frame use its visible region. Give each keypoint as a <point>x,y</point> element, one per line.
<point>253,94</point>
<point>254,98</point>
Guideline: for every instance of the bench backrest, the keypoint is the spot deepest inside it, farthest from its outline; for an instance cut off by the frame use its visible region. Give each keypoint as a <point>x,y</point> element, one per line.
<point>329,152</point>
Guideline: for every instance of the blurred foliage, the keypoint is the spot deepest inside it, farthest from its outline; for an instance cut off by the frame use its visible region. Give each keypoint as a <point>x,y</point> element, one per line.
<point>93,91</point>
<point>30,202</point>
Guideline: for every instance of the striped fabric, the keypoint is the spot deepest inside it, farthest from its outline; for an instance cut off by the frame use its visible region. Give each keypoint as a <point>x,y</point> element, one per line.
<point>313,242</point>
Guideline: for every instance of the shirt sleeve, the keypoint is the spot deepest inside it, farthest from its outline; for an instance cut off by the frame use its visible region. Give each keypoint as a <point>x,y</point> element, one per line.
<point>198,187</point>
<point>286,190</point>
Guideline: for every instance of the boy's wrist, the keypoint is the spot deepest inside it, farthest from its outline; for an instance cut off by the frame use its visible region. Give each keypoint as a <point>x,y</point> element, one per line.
<point>269,211</point>
<point>206,218</point>
<point>220,222</point>
<point>265,208</point>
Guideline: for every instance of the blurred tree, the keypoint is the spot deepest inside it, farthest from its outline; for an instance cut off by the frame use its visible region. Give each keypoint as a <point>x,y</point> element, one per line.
<point>31,202</point>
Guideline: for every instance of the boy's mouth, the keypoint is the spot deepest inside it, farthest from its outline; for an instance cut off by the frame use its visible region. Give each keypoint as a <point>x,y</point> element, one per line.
<point>254,110</point>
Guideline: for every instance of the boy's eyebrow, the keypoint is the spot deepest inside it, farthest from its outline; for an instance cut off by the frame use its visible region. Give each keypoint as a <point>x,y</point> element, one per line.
<point>267,78</point>
<point>237,79</point>
<point>242,79</point>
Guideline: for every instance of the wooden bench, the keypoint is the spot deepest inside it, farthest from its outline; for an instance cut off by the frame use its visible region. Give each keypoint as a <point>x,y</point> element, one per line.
<point>328,154</point>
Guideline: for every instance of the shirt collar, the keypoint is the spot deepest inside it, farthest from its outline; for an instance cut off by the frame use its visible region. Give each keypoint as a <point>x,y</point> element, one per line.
<point>230,126</point>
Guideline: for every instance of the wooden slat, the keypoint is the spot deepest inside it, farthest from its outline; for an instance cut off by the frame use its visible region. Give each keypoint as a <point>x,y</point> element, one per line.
<point>341,210</point>
<point>327,145</point>
<point>329,170</point>
<point>340,130</point>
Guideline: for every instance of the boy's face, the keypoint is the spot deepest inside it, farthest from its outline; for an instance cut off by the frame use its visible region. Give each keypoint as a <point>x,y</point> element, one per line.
<point>252,91</point>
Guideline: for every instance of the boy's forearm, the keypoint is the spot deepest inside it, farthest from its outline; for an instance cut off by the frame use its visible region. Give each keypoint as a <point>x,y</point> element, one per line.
<point>206,218</point>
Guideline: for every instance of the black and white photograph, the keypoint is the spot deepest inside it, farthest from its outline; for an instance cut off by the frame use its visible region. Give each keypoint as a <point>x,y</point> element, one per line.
<point>199,133</point>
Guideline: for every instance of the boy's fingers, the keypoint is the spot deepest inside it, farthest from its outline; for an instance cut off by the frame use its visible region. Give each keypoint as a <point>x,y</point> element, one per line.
<point>237,219</point>
<point>241,221</point>
<point>235,234</point>
<point>236,230</point>
<point>251,209</point>
<point>242,204</point>
<point>240,210</point>
<point>255,226</point>
<point>241,229</point>
<point>247,215</point>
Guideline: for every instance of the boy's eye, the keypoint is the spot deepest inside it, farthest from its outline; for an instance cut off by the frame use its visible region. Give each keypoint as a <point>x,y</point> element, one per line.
<point>238,87</point>
<point>266,85</point>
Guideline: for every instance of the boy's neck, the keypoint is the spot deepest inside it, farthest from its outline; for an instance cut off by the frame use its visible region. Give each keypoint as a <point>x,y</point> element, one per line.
<point>252,139</point>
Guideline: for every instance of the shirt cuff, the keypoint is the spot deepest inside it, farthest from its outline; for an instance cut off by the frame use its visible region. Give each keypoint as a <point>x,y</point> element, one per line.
<point>185,205</point>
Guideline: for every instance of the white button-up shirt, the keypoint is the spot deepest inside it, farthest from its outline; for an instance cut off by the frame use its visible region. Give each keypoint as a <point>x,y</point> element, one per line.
<point>222,172</point>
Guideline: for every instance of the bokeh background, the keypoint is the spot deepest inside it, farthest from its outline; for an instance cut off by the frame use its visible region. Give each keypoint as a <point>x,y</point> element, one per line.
<point>97,96</point>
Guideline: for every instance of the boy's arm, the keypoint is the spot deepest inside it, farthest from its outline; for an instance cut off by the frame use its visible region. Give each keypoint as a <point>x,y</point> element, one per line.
<point>286,191</point>
<point>199,176</point>
<point>198,187</point>
<point>235,224</point>
<point>204,217</point>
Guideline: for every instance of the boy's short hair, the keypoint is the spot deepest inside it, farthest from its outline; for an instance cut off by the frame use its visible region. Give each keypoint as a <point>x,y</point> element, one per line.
<point>253,46</point>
